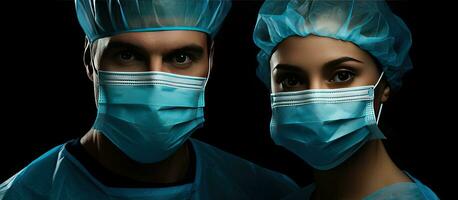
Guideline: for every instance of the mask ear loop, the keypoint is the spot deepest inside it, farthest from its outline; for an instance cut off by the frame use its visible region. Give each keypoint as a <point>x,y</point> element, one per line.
<point>379,112</point>
<point>210,63</point>
<point>381,104</point>
<point>88,47</point>
<point>379,79</point>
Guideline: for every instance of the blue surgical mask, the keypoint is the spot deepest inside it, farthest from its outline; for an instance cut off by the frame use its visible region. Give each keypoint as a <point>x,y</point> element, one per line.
<point>324,127</point>
<point>149,115</point>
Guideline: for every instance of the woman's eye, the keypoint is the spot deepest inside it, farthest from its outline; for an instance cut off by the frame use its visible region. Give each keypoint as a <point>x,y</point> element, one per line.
<point>290,81</point>
<point>342,76</point>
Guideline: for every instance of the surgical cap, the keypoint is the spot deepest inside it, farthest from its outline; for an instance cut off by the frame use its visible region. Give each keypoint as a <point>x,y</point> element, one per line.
<point>102,18</point>
<point>369,24</point>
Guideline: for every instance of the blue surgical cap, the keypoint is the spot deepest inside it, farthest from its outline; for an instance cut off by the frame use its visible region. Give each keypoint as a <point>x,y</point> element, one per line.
<point>369,24</point>
<point>102,18</point>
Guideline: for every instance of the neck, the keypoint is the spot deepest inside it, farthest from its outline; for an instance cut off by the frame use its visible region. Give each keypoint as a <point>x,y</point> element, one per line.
<point>369,170</point>
<point>171,170</point>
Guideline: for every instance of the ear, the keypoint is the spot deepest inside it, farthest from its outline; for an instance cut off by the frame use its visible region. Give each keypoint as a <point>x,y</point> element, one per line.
<point>87,60</point>
<point>386,93</point>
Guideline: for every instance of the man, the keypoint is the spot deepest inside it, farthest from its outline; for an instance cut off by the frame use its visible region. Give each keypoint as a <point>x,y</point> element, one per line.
<point>149,61</point>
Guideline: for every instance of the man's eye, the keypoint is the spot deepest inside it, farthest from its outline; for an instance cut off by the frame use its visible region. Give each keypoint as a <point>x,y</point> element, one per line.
<point>342,76</point>
<point>290,81</point>
<point>126,56</point>
<point>181,59</point>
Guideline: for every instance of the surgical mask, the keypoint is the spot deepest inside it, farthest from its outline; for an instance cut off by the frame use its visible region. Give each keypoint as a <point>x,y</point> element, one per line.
<point>325,127</point>
<point>149,115</point>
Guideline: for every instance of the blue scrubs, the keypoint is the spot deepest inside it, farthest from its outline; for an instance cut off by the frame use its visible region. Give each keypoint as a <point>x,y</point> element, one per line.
<point>219,175</point>
<point>406,191</point>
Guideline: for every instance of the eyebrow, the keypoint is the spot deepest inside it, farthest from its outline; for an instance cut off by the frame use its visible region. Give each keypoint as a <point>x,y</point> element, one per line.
<point>338,61</point>
<point>328,64</point>
<point>114,45</point>
<point>194,49</point>
<point>326,67</point>
<point>287,67</point>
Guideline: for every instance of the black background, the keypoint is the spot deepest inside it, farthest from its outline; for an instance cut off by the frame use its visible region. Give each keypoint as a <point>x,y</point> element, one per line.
<point>47,98</point>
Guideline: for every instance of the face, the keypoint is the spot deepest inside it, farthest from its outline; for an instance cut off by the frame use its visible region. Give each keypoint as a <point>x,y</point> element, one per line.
<point>313,62</point>
<point>178,52</point>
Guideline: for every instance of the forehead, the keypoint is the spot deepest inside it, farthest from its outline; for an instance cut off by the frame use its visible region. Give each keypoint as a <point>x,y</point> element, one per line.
<point>158,40</point>
<point>315,50</point>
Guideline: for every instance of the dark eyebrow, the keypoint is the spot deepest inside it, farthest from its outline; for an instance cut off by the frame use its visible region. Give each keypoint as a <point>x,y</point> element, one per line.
<point>284,69</point>
<point>338,61</point>
<point>116,44</point>
<point>193,49</point>
<point>288,67</point>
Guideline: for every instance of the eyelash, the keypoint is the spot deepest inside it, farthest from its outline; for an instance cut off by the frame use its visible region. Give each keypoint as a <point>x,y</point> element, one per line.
<point>171,56</point>
<point>281,78</point>
<point>284,76</point>
<point>168,58</point>
<point>351,73</point>
<point>135,55</point>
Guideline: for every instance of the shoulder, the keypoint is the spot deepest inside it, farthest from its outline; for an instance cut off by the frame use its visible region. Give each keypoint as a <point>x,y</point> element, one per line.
<point>425,190</point>
<point>406,190</point>
<point>242,174</point>
<point>304,193</point>
<point>35,179</point>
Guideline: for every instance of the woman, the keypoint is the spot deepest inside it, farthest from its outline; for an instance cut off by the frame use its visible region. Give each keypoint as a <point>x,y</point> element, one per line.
<point>331,65</point>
